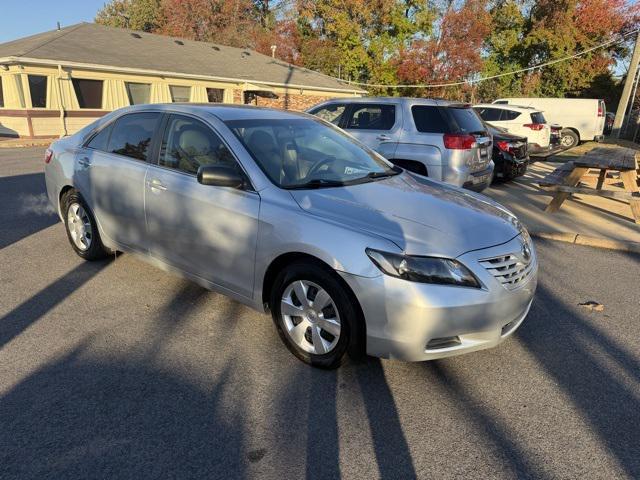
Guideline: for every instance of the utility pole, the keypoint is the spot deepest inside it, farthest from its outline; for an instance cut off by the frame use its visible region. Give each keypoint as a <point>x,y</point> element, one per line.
<point>626,91</point>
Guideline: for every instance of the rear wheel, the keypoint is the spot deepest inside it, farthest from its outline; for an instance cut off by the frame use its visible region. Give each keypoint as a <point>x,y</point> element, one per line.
<point>81,226</point>
<point>569,138</point>
<point>314,315</point>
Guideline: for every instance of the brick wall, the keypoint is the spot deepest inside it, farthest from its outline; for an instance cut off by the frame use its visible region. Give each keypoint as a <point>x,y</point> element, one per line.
<point>292,101</point>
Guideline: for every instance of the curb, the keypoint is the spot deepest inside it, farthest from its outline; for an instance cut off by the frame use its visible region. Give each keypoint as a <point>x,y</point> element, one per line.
<point>5,144</point>
<point>579,239</point>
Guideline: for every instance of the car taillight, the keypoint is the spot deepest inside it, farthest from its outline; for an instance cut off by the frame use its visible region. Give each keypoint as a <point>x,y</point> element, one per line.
<point>48,155</point>
<point>534,126</point>
<point>459,141</point>
<point>503,145</point>
<point>600,110</point>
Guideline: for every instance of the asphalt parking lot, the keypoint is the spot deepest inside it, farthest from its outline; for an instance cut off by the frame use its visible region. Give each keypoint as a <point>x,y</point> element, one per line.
<point>116,369</point>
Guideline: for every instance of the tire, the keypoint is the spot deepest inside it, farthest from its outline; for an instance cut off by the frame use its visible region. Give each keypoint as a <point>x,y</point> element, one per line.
<point>339,309</point>
<point>569,138</point>
<point>79,219</point>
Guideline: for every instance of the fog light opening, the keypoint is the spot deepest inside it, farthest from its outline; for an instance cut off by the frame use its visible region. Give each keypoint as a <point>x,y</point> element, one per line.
<point>443,342</point>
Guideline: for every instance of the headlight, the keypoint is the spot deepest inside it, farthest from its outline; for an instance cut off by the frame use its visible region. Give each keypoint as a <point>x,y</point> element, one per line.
<point>442,271</point>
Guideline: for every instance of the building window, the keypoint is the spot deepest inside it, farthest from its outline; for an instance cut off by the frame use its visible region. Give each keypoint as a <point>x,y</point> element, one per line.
<point>1,94</point>
<point>215,95</point>
<point>138,93</point>
<point>38,90</point>
<point>179,93</point>
<point>88,92</point>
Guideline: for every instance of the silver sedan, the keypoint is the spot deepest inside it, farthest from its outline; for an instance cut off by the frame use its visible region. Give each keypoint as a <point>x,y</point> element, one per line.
<point>288,214</point>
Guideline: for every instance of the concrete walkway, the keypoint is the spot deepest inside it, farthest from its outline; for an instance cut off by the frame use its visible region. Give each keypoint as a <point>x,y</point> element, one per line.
<point>585,219</point>
<point>7,142</point>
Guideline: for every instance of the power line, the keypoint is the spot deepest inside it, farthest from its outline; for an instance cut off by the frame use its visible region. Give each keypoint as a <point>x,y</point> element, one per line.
<point>514,72</point>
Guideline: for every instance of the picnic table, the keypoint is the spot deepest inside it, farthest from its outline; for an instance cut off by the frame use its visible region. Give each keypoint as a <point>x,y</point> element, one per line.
<point>565,180</point>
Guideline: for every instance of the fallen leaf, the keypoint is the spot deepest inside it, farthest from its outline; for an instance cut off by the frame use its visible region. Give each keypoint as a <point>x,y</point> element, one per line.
<point>593,306</point>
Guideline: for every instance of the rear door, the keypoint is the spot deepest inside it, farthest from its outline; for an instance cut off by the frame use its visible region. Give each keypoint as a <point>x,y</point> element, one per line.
<point>110,174</point>
<point>204,230</point>
<point>465,119</point>
<point>377,125</point>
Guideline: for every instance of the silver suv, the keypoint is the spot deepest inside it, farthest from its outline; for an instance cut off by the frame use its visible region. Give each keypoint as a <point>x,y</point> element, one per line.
<point>443,140</point>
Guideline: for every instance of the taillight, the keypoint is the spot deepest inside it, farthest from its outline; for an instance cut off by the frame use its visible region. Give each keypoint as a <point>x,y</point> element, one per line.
<point>600,110</point>
<point>48,155</point>
<point>503,145</point>
<point>459,141</point>
<point>534,126</point>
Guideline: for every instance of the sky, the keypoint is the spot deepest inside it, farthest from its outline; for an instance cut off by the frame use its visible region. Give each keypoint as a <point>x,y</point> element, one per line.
<point>21,18</point>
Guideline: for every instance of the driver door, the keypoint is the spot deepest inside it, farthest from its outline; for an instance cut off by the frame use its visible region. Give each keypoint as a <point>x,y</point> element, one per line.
<point>204,230</point>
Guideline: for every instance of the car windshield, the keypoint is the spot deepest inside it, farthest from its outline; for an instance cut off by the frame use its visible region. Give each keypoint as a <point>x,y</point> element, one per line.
<point>307,153</point>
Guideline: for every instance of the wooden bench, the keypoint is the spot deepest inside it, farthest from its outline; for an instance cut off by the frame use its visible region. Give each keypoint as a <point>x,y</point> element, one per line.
<point>565,179</point>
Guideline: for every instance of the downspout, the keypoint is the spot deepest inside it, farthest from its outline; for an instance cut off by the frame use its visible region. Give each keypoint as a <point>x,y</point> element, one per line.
<point>63,115</point>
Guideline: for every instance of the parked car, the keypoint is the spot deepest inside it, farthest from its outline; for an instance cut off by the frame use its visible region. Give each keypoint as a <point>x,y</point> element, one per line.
<point>510,154</point>
<point>581,118</point>
<point>442,140</point>
<point>522,121</point>
<point>288,214</point>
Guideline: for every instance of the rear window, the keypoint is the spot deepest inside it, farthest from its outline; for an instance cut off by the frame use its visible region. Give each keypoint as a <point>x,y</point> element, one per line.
<point>428,119</point>
<point>538,117</point>
<point>465,120</point>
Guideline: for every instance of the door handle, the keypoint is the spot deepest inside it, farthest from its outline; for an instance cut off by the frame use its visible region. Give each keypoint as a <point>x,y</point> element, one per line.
<point>156,185</point>
<point>84,162</point>
<point>383,137</point>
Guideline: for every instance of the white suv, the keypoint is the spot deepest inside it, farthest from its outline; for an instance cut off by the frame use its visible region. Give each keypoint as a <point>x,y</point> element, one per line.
<point>525,121</point>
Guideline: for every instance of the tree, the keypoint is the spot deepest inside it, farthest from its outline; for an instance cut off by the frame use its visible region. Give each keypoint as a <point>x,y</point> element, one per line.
<point>142,15</point>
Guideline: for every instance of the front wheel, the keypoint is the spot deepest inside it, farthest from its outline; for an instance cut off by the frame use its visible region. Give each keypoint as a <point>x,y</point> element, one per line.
<point>82,229</point>
<point>314,315</point>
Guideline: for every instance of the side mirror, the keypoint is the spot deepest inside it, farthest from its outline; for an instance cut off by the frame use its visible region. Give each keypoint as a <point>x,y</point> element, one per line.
<point>220,176</point>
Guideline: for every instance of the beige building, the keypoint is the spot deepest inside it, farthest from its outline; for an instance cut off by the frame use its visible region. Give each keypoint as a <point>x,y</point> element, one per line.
<point>54,83</point>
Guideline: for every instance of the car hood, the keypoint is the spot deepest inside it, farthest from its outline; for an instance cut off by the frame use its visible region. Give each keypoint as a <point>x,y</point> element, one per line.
<point>421,216</point>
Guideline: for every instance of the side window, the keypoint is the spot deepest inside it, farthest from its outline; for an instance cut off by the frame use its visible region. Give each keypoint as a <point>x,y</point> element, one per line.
<point>331,113</point>
<point>38,89</point>
<point>88,92</point>
<point>509,115</point>
<point>180,94</point>
<point>215,95</point>
<point>132,135</point>
<point>428,119</point>
<point>100,141</point>
<point>138,93</point>
<point>188,144</point>
<point>489,114</point>
<point>372,117</point>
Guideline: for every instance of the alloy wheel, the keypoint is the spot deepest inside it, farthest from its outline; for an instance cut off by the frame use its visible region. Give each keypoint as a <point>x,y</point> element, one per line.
<point>310,317</point>
<point>79,226</point>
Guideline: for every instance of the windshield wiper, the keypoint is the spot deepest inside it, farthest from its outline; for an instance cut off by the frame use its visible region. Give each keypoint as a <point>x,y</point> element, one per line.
<point>316,183</point>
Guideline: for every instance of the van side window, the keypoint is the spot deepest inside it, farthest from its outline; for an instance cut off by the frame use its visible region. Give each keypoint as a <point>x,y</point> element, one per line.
<point>132,135</point>
<point>428,119</point>
<point>331,113</point>
<point>188,144</point>
<point>372,117</point>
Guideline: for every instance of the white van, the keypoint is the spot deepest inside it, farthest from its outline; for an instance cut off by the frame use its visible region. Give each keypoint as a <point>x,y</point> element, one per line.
<point>582,119</point>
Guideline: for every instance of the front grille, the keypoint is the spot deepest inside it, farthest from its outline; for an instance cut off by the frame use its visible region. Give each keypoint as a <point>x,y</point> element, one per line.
<point>511,270</point>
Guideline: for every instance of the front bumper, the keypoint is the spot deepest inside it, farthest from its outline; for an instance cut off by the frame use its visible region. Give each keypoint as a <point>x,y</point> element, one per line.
<point>416,321</point>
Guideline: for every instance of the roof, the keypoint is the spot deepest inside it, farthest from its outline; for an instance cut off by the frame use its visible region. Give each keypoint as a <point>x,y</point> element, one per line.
<point>507,106</point>
<point>97,45</point>
<point>403,100</point>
